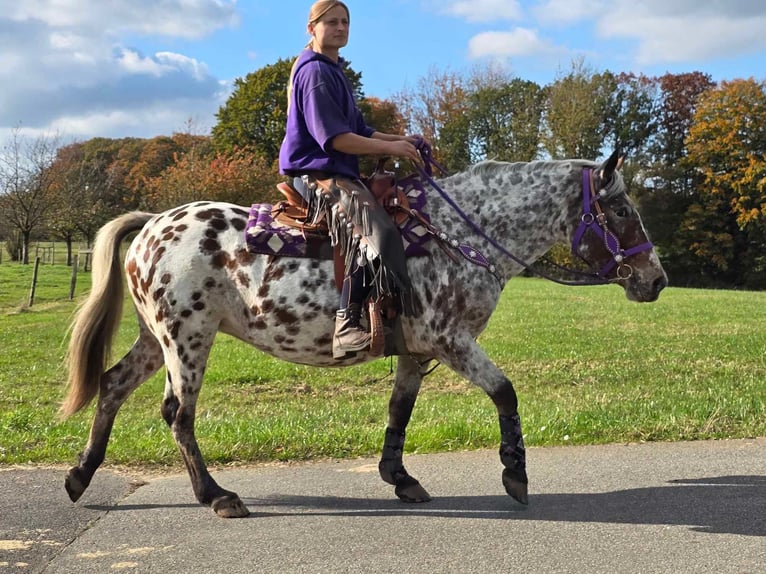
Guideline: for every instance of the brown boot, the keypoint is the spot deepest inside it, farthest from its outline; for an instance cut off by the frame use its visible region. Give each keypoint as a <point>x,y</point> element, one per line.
<point>350,336</point>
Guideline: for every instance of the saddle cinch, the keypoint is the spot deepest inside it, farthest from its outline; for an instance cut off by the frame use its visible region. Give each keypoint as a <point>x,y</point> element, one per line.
<point>311,218</point>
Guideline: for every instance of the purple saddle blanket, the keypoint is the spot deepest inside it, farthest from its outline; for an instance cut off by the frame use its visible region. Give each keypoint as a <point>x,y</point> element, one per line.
<point>266,236</point>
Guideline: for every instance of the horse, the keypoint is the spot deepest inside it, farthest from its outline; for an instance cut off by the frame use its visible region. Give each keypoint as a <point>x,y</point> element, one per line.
<point>191,274</point>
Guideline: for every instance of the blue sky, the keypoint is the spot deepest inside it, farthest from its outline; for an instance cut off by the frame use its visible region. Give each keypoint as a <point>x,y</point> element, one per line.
<point>141,68</point>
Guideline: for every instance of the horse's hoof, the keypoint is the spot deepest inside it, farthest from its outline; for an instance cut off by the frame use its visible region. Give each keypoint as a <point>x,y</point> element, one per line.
<point>74,484</point>
<point>516,485</point>
<point>229,506</point>
<point>411,491</point>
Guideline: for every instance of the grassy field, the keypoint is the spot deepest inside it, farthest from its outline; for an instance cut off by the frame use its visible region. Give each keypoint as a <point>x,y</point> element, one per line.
<point>589,367</point>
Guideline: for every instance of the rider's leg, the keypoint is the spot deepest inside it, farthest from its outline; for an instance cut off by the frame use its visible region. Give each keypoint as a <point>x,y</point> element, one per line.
<point>350,336</point>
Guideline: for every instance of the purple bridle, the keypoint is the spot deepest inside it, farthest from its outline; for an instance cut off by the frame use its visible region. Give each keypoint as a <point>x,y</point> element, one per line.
<point>611,242</point>
<point>590,200</point>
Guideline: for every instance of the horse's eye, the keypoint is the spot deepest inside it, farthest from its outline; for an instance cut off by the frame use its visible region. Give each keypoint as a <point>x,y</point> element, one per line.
<point>621,212</point>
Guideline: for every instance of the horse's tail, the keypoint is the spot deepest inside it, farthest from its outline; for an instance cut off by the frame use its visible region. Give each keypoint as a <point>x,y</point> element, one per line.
<point>98,317</point>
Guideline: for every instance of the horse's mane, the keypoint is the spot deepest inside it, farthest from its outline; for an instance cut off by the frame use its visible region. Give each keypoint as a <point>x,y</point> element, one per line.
<point>491,168</point>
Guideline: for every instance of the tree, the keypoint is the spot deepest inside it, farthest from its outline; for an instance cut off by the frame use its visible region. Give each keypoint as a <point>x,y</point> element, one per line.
<point>727,147</point>
<point>577,118</point>
<point>438,110</point>
<point>254,116</point>
<point>505,120</point>
<point>25,184</point>
<point>383,116</point>
<point>239,177</point>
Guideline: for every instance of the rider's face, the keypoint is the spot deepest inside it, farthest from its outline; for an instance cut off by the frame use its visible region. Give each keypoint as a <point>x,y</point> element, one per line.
<point>331,31</point>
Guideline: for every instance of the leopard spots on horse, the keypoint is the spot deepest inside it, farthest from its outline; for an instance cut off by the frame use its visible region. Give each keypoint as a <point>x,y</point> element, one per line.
<point>158,254</point>
<point>259,324</point>
<point>243,279</point>
<point>239,224</point>
<point>323,340</point>
<point>244,257</point>
<point>219,224</point>
<point>315,285</point>
<point>158,293</point>
<point>274,272</point>
<point>263,290</point>
<point>210,246</point>
<point>209,214</point>
<point>268,306</point>
<point>198,306</point>
<point>285,316</point>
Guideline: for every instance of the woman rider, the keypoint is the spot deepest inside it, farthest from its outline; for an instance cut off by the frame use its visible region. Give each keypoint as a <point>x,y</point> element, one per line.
<point>325,133</point>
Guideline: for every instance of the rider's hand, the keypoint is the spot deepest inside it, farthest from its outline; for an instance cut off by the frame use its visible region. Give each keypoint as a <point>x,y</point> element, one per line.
<point>404,149</point>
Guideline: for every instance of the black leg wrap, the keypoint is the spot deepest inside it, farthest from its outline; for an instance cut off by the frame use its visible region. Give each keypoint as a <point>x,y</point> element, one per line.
<point>393,472</point>
<point>514,457</point>
<point>391,467</point>
<point>512,452</point>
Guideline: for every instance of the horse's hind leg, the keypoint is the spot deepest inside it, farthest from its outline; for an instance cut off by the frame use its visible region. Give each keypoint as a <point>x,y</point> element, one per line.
<point>185,369</point>
<point>391,467</point>
<point>141,362</point>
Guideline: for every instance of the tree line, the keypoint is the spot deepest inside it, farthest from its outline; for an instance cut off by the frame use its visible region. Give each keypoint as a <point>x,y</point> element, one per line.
<point>696,156</point>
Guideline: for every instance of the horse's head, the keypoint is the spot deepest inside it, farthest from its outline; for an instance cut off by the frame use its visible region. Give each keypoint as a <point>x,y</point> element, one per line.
<point>611,237</point>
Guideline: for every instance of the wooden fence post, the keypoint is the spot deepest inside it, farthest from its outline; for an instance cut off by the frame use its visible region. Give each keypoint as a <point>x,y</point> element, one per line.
<point>73,283</point>
<point>34,282</point>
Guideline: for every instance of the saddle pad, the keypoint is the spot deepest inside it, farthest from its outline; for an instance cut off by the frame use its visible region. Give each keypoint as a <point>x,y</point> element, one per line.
<point>266,236</point>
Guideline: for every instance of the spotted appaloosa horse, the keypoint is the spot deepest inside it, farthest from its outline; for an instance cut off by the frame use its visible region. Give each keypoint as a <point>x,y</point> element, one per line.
<point>191,274</point>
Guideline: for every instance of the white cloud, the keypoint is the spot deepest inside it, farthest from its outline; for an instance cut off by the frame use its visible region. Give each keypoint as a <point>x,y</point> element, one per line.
<point>67,66</point>
<point>483,10</point>
<point>176,18</point>
<point>681,30</point>
<point>518,42</point>
<point>568,11</point>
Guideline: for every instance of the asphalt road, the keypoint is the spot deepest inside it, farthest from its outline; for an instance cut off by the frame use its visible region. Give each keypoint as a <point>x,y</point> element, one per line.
<point>651,508</point>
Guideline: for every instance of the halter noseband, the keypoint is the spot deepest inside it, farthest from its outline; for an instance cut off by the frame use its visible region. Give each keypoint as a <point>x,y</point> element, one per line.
<point>611,242</point>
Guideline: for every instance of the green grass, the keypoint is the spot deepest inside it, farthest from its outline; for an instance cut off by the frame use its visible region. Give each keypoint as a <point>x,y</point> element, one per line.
<point>589,367</point>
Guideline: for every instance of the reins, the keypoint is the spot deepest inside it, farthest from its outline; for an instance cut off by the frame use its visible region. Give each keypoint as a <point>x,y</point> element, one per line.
<point>590,199</point>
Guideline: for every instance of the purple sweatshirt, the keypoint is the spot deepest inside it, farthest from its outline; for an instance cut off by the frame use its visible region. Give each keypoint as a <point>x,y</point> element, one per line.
<point>322,107</point>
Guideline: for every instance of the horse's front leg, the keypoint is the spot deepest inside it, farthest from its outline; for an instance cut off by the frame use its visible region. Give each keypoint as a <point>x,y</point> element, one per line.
<point>466,358</point>
<point>391,467</point>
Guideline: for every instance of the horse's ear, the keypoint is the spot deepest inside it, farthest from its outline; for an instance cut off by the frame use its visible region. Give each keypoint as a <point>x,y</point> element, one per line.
<point>613,163</point>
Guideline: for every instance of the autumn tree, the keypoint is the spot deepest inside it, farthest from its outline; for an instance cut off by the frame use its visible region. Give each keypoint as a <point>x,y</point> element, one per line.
<point>671,181</point>
<point>726,224</point>
<point>438,110</point>
<point>577,118</point>
<point>505,120</point>
<point>238,176</point>
<point>26,183</point>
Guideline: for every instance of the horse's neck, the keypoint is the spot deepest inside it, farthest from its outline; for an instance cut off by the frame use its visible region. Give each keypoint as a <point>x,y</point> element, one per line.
<point>524,207</point>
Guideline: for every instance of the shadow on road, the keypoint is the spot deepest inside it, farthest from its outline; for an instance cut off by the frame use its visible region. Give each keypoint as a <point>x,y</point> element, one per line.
<point>726,504</point>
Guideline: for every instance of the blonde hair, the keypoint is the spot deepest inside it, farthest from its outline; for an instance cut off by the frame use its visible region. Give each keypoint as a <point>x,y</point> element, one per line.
<point>317,10</point>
